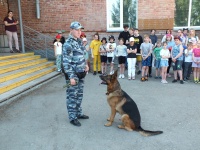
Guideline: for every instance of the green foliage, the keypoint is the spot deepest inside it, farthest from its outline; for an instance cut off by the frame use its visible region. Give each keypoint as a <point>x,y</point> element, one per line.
<point>182,10</point>
<point>195,13</point>
<point>116,14</point>
<point>129,13</point>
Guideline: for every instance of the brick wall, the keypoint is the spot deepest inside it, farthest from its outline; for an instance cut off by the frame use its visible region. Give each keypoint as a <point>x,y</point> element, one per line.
<point>3,13</point>
<point>154,14</point>
<point>57,14</point>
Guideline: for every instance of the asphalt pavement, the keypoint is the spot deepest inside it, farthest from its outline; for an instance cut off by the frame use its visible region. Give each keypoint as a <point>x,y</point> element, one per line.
<point>39,119</point>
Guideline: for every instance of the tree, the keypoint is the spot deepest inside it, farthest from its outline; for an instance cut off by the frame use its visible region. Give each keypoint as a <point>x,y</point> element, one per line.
<point>116,14</point>
<point>181,12</point>
<point>129,12</point>
<point>195,13</point>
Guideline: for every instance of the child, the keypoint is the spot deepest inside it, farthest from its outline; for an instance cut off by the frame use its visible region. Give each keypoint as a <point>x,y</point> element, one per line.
<point>58,52</point>
<point>138,40</point>
<point>177,59</point>
<point>188,62</point>
<point>103,55</point>
<point>85,44</point>
<point>196,63</point>
<point>157,56</point>
<point>165,54</point>
<point>146,49</point>
<point>131,58</point>
<point>170,44</point>
<point>121,52</point>
<point>110,52</point>
<point>153,40</point>
<point>95,45</point>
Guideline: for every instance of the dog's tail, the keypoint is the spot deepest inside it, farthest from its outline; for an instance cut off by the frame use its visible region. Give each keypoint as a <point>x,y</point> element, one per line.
<point>148,133</point>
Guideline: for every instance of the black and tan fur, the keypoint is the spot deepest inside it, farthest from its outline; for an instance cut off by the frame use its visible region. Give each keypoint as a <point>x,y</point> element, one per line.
<point>122,103</point>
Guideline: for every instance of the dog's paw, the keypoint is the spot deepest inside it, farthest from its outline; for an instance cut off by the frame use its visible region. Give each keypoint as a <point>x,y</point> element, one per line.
<point>120,126</point>
<point>128,129</point>
<point>108,124</point>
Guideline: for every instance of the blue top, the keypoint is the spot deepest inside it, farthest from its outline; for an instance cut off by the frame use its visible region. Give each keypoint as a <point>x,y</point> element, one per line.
<point>176,51</point>
<point>170,44</point>
<point>121,50</point>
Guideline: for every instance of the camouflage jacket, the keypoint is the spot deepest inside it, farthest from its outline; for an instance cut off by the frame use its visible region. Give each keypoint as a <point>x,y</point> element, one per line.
<point>73,57</point>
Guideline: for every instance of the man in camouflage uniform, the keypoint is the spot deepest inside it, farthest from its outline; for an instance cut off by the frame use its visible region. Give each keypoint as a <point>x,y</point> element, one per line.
<point>74,64</point>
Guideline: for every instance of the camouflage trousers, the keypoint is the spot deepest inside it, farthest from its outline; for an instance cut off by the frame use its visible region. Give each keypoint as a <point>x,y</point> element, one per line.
<point>74,100</point>
<point>58,62</point>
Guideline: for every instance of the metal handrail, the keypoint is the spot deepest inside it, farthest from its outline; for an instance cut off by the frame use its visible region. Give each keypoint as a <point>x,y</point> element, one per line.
<point>46,36</point>
<point>34,41</point>
<point>39,43</point>
<point>3,43</point>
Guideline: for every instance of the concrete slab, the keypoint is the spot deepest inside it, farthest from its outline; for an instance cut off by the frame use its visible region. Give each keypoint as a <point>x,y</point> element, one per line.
<point>39,120</point>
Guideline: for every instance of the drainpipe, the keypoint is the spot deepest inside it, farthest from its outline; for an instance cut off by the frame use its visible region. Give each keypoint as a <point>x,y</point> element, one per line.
<point>21,26</point>
<point>38,9</point>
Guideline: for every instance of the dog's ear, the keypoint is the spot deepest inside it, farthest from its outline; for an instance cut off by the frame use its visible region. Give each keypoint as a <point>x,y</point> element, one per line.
<point>115,73</point>
<point>114,76</point>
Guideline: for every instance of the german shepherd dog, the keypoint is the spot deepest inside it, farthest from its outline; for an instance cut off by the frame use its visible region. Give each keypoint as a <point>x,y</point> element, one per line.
<point>122,103</point>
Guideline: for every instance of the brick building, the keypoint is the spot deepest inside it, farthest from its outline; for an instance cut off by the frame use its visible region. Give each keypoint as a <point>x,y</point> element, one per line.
<point>95,15</point>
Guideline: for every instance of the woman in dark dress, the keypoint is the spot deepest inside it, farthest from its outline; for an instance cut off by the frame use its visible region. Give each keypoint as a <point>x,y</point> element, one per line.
<point>11,31</point>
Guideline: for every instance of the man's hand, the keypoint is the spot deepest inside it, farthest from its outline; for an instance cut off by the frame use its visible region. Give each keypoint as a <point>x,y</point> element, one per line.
<point>72,81</point>
<point>86,68</point>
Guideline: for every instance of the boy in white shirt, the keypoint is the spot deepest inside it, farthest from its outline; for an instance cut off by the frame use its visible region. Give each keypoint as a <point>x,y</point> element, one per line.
<point>110,48</point>
<point>188,62</point>
<point>58,52</point>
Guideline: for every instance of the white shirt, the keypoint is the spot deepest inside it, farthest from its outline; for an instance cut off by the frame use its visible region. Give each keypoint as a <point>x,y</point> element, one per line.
<point>189,57</point>
<point>58,50</point>
<point>111,46</point>
<point>164,52</point>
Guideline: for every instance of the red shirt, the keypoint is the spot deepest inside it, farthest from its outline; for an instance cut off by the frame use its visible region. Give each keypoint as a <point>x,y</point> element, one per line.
<point>12,28</point>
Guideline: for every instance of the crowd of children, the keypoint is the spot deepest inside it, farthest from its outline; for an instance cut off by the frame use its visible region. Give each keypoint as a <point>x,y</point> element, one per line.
<point>181,51</point>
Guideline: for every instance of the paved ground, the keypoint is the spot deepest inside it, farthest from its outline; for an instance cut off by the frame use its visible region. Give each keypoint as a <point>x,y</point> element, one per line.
<point>39,121</point>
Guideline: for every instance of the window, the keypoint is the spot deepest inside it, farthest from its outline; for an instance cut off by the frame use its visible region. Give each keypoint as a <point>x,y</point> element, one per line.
<point>121,12</point>
<point>187,14</point>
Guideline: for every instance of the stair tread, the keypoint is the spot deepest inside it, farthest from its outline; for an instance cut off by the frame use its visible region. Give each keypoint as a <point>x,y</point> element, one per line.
<point>5,56</point>
<point>17,58</point>
<point>24,77</point>
<point>20,63</point>
<point>23,69</point>
<point>26,86</point>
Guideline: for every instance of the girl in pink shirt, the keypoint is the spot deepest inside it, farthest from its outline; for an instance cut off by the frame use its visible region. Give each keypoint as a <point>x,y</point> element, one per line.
<point>196,63</point>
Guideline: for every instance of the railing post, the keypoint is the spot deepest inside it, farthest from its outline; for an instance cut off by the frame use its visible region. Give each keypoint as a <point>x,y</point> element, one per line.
<point>21,26</point>
<point>46,47</point>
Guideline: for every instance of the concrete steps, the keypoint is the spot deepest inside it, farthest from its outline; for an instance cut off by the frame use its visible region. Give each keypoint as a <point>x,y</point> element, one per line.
<point>22,71</point>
